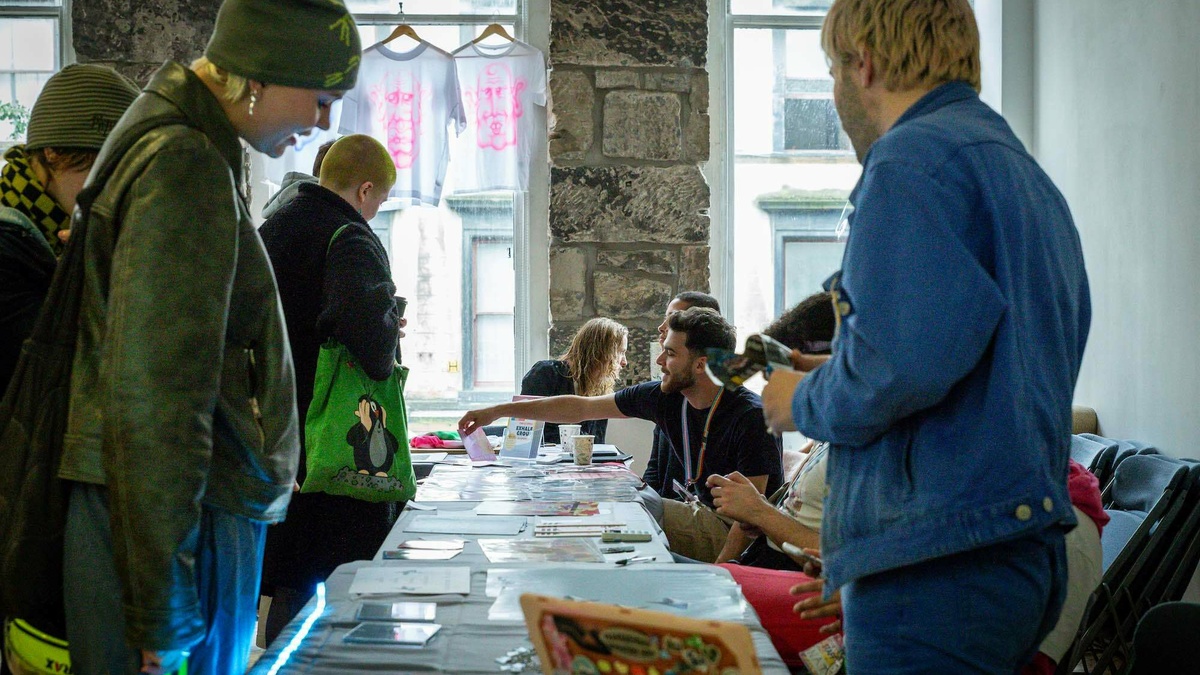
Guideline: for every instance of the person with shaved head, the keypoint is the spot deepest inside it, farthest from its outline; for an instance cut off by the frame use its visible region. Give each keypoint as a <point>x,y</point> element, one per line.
<point>332,287</point>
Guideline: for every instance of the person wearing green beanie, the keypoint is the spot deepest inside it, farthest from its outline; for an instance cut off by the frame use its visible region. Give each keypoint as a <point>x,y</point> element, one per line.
<point>39,182</point>
<point>182,439</point>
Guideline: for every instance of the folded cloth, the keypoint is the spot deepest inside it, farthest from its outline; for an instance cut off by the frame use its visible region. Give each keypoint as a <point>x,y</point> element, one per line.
<point>426,441</point>
<point>435,439</point>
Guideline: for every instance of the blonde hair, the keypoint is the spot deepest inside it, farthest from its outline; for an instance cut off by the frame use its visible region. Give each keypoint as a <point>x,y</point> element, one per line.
<point>355,159</point>
<point>592,358</point>
<point>233,87</point>
<point>914,43</point>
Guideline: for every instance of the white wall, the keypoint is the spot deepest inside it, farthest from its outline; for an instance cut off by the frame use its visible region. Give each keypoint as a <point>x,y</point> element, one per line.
<point>633,436</point>
<point>1117,127</point>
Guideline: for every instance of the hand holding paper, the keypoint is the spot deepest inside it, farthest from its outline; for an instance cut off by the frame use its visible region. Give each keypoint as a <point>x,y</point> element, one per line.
<point>762,354</point>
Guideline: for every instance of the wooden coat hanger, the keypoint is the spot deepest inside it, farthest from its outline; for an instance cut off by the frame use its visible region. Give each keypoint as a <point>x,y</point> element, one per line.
<point>402,30</point>
<point>493,29</point>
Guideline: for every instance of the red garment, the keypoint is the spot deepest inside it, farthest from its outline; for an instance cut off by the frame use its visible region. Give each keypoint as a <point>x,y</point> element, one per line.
<point>1084,489</point>
<point>426,441</point>
<point>767,592</point>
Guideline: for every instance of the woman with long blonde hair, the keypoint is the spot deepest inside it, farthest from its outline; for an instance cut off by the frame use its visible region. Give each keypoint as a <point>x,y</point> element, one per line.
<point>589,367</point>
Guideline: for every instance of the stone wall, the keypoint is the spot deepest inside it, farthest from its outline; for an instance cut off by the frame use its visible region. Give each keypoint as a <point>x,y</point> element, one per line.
<point>628,205</point>
<point>135,37</point>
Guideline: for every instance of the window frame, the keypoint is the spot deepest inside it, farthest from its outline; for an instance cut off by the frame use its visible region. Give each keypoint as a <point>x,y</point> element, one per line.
<point>1007,87</point>
<point>64,55</point>
<point>722,24</point>
<point>531,209</point>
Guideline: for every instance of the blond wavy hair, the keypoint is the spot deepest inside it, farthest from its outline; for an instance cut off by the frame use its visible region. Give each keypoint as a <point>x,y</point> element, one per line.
<point>914,43</point>
<point>234,87</point>
<point>593,358</point>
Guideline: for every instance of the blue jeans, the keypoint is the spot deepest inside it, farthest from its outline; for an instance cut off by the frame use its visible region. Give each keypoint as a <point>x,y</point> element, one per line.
<point>228,565</point>
<point>981,611</point>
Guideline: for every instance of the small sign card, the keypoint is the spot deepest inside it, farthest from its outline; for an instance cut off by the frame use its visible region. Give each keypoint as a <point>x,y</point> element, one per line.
<point>523,437</point>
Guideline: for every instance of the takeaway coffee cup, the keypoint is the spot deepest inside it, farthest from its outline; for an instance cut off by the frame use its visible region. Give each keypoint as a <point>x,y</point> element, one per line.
<point>581,447</point>
<point>565,433</point>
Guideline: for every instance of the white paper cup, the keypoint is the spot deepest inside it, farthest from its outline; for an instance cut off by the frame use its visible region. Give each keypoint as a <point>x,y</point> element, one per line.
<point>582,448</point>
<point>565,433</point>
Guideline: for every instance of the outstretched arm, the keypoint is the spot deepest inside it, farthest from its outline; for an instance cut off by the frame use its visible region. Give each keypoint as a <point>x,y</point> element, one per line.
<point>562,409</point>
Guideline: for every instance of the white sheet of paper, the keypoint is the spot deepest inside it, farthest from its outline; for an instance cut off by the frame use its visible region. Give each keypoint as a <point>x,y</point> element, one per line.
<point>412,580</point>
<point>428,456</point>
<point>466,524</point>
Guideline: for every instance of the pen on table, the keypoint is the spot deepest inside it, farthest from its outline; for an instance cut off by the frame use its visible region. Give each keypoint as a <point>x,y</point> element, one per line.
<point>636,559</point>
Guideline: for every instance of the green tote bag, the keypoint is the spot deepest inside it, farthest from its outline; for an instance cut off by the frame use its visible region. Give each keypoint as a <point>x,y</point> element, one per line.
<point>356,432</point>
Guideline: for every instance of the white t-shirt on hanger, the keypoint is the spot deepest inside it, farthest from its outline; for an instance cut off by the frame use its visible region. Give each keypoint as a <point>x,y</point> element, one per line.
<point>407,100</point>
<point>500,84</point>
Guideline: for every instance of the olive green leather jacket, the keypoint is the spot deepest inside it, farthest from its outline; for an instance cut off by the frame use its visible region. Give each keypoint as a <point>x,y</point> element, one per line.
<point>182,388</point>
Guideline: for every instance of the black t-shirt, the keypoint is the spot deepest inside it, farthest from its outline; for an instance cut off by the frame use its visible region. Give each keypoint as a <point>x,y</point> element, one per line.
<point>553,378</point>
<point>737,438</point>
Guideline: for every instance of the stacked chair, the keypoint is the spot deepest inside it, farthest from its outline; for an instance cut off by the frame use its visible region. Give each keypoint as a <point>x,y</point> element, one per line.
<point>1150,546</point>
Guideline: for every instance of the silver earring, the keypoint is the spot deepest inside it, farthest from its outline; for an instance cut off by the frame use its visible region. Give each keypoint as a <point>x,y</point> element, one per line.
<point>253,100</point>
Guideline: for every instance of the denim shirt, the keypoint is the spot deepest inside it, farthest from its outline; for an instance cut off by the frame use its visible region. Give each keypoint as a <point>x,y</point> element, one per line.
<point>963,313</point>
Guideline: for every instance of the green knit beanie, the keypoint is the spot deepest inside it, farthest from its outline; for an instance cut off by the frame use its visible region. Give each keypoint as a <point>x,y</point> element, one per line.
<point>310,44</point>
<point>78,106</point>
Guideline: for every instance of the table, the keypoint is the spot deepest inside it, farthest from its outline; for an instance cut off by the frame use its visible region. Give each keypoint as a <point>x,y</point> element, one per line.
<point>468,641</point>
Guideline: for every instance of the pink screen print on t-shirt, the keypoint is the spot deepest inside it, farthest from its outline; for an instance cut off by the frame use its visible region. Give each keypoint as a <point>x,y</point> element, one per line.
<point>496,98</point>
<point>396,102</point>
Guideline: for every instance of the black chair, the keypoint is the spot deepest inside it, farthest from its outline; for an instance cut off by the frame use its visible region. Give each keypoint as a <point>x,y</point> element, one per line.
<point>1145,585</point>
<point>1181,560</point>
<point>1146,499</point>
<point>1165,640</point>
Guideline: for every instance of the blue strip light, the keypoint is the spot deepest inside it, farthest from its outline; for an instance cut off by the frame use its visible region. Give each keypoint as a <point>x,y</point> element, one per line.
<point>300,634</point>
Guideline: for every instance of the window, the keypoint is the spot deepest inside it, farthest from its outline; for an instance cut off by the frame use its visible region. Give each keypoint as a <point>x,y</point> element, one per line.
<point>462,263</point>
<point>787,168</point>
<point>490,292</point>
<point>31,50</point>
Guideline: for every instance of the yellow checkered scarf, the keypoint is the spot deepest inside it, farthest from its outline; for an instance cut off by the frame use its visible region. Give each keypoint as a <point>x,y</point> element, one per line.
<point>20,189</point>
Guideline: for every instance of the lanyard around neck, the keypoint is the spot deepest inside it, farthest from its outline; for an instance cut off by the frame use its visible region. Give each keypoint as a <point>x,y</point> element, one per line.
<point>687,440</point>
